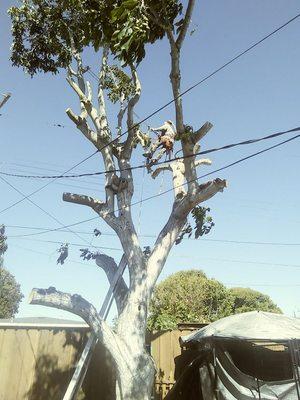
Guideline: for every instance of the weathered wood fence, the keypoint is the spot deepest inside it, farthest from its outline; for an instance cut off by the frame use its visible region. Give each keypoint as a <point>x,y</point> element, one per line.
<point>37,362</point>
<point>165,350</point>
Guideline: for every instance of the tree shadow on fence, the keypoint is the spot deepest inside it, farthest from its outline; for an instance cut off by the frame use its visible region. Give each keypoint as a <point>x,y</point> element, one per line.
<point>51,379</point>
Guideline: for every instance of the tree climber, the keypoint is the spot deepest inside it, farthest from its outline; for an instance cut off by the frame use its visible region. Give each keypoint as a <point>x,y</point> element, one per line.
<point>165,139</point>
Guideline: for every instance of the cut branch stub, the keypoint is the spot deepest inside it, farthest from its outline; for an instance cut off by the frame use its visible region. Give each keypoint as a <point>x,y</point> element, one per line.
<point>64,301</point>
<point>82,200</point>
<point>201,132</point>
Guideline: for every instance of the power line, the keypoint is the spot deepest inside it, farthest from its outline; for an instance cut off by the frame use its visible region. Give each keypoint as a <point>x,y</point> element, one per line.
<point>40,208</point>
<point>226,241</point>
<point>245,262</point>
<point>225,283</point>
<point>207,77</point>
<point>213,259</point>
<point>70,183</point>
<point>225,147</point>
<point>20,168</point>
<point>72,244</point>
<point>26,197</point>
<point>171,189</point>
<point>239,55</point>
<point>47,255</point>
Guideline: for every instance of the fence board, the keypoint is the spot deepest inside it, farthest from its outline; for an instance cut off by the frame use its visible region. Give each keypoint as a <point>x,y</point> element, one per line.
<point>165,348</point>
<point>37,364</point>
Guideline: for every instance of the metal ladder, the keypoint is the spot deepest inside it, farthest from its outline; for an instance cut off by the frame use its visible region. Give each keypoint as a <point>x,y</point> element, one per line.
<point>87,353</point>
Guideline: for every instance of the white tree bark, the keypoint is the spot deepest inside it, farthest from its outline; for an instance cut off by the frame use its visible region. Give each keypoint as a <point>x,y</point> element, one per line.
<point>134,367</point>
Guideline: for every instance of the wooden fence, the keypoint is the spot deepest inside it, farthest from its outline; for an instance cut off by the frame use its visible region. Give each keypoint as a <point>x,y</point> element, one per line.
<point>165,349</point>
<point>37,362</point>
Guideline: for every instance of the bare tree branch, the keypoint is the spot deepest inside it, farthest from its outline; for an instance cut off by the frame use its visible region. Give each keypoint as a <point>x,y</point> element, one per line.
<point>163,246</point>
<point>178,169</point>
<point>6,97</point>
<point>79,306</point>
<point>205,191</point>
<point>175,223</point>
<point>73,303</point>
<point>101,208</point>
<point>186,23</point>
<point>203,161</point>
<point>83,200</point>
<point>83,126</point>
<point>86,104</point>
<point>110,268</point>
<point>201,132</point>
<point>158,170</point>
<point>101,99</point>
<point>130,109</point>
<point>121,115</point>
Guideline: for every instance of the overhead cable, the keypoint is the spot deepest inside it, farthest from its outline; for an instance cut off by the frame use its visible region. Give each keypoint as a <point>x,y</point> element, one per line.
<point>225,147</point>
<point>152,236</point>
<point>73,244</point>
<point>207,77</point>
<point>27,197</point>
<point>278,265</point>
<point>42,209</point>
<point>177,186</point>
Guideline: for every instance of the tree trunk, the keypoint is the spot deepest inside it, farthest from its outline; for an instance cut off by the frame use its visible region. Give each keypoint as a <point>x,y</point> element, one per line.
<point>135,378</point>
<point>136,371</point>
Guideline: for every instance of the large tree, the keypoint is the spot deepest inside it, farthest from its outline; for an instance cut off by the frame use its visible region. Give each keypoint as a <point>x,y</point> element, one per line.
<point>246,299</point>
<point>10,293</point>
<point>190,296</point>
<point>50,35</point>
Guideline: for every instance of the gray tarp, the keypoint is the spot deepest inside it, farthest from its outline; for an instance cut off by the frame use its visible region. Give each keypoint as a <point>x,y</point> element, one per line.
<point>221,379</point>
<point>232,384</point>
<point>249,326</point>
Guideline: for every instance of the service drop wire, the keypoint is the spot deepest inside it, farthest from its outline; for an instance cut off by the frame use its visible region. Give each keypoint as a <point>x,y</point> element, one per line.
<point>213,150</point>
<point>167,104</point>
<point>171,189</point>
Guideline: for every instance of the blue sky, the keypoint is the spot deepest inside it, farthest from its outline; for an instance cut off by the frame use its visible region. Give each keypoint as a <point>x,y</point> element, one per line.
<point>255,96</point>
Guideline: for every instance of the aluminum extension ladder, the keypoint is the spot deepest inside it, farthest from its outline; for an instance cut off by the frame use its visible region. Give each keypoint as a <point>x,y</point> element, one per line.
<point>86,355</point>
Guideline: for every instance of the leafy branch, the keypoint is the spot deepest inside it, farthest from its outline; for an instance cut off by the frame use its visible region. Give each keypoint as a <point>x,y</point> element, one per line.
<point>203,224</point>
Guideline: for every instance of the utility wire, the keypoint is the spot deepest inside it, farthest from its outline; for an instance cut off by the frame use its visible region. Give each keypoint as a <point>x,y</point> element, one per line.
<point>42,209</point>
<point>216,259</point>
<point>167,104</point>
<point>152,236</point>
<point>26,197</point>
<point>225,147</point>
<point>20,168</point>
<point>48,255</point>
<point>244,261</point>
<point>239,55</point>
<point>79,184</point>
<point>259,243</point>
<point>73,244</point>
<point>171,189</point>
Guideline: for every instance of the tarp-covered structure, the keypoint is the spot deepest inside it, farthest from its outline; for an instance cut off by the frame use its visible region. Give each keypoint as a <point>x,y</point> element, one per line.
<point>253,355</point>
